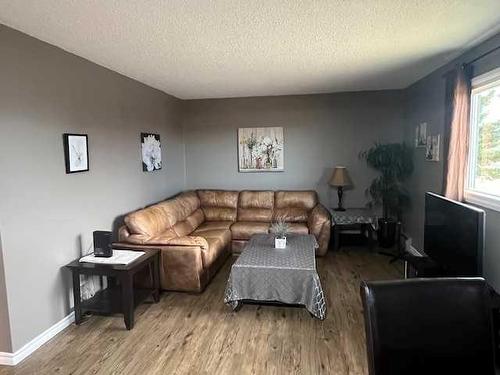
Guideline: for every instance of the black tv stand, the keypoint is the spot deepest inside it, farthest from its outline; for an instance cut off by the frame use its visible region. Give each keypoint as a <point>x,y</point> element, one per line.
<point>422,266</point>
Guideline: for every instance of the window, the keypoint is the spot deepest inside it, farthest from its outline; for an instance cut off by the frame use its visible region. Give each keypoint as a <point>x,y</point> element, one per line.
<point>483,180</point>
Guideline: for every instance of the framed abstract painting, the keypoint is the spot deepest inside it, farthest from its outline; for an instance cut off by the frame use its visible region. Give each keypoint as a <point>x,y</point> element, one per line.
<point>76,152</point>
<point>151,152</point>
<point>261,149</point>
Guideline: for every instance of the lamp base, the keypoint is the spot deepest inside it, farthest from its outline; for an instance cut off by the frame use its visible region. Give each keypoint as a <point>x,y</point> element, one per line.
<point>340,206</point>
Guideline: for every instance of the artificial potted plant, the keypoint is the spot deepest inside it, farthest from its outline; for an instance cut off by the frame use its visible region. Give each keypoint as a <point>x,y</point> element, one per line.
<point>394,161</point>
<point>279,229</point>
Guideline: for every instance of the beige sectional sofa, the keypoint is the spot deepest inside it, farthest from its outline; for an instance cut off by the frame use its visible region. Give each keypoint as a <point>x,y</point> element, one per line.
<point>197,230</point>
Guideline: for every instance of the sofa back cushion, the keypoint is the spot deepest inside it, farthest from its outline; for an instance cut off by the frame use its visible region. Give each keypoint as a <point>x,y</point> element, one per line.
<point>256,206</point>
<point>172,214</point>
<point>294,206</point>
<point>219,205</point>
<point>187,226</point>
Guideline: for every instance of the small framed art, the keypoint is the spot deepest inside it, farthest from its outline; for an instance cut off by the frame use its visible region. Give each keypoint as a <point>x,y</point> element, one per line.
<point>151,152</point>
<point>432,148</point>
<point>421,135</point>
<point>76,152</point>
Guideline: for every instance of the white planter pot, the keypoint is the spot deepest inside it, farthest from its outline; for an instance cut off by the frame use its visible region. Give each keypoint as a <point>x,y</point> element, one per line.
<point>280,243</point>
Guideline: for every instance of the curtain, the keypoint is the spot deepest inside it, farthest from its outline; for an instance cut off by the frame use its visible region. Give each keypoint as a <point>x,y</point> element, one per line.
<point>458,147</point>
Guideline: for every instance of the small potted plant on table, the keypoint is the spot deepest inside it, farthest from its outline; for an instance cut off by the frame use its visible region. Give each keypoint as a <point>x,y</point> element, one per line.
<point>279,229</point>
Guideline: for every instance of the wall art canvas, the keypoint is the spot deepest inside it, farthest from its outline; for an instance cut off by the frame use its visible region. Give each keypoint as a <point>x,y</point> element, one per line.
<point>421,135</point>
<point>261,149</point>
<point>432,149</point>
<point>76,152</point>
<point>151,152</point>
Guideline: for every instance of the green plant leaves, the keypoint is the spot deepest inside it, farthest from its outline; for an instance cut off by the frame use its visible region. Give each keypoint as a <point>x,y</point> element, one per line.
<point>394,161</point>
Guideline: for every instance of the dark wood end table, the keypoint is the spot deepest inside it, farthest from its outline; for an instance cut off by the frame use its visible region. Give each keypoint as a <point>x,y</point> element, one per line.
<point>120,296</point>
<point>361,220</point>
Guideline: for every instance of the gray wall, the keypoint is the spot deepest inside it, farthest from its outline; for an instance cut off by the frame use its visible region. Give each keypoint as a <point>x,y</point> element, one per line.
<point>320,131</point>
<point>426,102</point>
<point>5,342</point>
<point>46,216</point>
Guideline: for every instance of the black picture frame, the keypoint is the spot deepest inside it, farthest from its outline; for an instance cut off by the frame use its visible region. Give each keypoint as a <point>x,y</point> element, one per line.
<point>67,153</point>
<point>156,137</point>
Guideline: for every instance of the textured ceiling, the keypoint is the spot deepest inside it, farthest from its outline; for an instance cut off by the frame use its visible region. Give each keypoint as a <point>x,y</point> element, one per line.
<point>231,48</point>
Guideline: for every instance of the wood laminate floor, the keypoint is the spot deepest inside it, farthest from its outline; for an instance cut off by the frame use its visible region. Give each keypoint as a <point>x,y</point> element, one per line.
<point>198,334</point>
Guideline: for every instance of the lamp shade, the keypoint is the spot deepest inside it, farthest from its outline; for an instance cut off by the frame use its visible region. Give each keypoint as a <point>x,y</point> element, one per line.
<point>340,177</point>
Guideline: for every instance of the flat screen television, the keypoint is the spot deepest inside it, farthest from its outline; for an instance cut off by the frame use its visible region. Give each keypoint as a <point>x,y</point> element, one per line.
<point>454,236</point>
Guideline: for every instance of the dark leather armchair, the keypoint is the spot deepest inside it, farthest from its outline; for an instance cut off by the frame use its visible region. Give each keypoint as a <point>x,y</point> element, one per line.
<point>428,326</point>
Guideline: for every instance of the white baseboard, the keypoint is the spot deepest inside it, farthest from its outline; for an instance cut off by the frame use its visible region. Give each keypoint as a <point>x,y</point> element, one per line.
<point>6,359</point>
<point>12,359</point>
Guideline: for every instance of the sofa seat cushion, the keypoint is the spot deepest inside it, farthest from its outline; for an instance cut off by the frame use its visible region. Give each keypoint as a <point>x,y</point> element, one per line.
<point>243,230</point>
<point>215,247</point>
<point>223,235</point>
<point>162,238</point>
<point>298,228</point>
<point>211,225</point>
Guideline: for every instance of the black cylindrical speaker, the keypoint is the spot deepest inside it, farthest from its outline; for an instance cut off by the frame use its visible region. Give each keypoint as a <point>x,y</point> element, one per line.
<point>102,244</point>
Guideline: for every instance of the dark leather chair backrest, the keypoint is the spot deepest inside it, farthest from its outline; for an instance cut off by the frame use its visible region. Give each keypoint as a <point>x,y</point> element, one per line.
<point>428,326</point>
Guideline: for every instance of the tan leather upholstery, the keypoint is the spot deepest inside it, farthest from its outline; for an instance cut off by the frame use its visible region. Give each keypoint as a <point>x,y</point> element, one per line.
<point>243,230</point>
<point>162,238</point>
<point>124,234</point>
<point>196,230</point>
<point>191,241</point>
<point>256,206</point>
<point>219,205</point>
<point>306,199</point>
<point>224,235</point>
<point>298,228</point>
<point>320,225</point>
<point>157,218</point>
<point>211,225</point>
<point>216,248</point>
<point>294,206</point>
<point>190,223</point>
<point>237,246</point>
<point>182,269</point>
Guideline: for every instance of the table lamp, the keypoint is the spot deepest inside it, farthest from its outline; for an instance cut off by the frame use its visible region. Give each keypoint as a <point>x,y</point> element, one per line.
<point>340,179</point>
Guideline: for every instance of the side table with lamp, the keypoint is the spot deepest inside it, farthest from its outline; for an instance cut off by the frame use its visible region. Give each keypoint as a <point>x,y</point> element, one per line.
<point>358,221</point>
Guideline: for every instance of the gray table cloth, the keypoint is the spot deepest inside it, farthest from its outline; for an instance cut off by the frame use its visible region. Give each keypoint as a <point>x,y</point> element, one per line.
<point>263,273</point>
<point>354,216</point>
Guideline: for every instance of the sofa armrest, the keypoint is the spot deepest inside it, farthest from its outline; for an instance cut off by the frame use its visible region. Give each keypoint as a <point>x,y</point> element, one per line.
<point>320,224</point>
<point>124,235</point>
<point>191,241</point>
<point>181,267</point>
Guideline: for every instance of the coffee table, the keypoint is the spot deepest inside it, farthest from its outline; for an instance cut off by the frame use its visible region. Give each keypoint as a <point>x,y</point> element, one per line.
<point>120,296</point>
<point>265,274</point>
